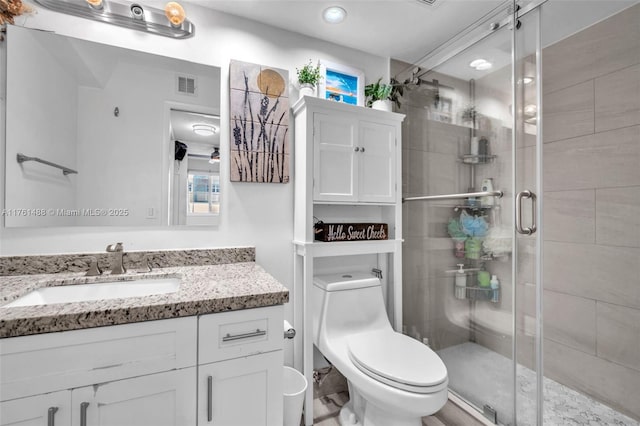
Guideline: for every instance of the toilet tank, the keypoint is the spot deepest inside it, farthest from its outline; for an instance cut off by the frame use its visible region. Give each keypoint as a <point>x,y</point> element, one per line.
<point>347,303</point>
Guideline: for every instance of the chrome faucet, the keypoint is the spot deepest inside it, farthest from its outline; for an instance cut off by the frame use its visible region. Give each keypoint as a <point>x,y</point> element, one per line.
<point>117,266</point>
<point>94,268</point>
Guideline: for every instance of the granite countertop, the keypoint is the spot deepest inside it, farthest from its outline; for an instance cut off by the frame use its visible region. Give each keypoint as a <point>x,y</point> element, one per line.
<point>203,290</point>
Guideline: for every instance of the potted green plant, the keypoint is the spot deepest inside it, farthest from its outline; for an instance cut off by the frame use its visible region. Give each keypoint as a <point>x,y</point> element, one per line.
<point>378,95</point>
<point>308,78</point>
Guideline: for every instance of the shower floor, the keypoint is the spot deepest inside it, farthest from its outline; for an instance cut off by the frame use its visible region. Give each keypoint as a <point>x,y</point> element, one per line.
<point>482,376</point>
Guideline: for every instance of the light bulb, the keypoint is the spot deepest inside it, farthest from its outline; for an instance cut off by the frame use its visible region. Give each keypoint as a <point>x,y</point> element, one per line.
<point>334,14</point>
<point>95,4</point>
<point>175,13</point>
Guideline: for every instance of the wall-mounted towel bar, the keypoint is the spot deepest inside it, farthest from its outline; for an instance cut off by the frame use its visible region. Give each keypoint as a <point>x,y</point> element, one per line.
<point>65,170</point>
<point>498,194</point>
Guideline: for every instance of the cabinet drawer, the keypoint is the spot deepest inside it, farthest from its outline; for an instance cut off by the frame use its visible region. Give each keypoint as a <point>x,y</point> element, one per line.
<point>43,363</point>
<point>240,333</point>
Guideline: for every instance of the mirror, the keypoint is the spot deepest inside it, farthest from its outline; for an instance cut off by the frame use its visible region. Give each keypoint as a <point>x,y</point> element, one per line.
<point>110,117</point>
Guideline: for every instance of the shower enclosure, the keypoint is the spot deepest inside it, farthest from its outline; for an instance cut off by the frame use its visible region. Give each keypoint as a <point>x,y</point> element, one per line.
<point>522,211</point>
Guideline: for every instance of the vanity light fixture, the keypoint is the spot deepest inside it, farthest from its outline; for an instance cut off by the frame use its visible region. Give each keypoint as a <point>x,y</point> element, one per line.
<point>132,15</point>
<point>204,129</point>
<point>215,156</point>
<point>334,14</point>
<point>480,64</point>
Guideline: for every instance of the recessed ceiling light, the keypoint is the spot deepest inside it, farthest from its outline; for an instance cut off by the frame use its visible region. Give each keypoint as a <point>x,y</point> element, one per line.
<point>484,66</point>
<point>204,129</point>
<point>480,64</point>
<point>477,62</point>
<point>334,14</point>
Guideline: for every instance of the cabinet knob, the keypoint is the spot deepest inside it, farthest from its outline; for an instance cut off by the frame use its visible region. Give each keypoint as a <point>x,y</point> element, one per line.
<point>356,149</point>
<point>362,149</point>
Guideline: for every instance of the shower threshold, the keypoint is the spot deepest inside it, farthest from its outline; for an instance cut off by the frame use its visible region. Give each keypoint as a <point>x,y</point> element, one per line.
<point>483,377</point>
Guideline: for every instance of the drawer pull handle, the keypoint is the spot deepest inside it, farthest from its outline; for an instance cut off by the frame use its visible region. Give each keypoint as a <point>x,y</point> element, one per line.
<point>83,413</point>
<point>209,398</point>
<point>51,416</point>
<point>256,333</point>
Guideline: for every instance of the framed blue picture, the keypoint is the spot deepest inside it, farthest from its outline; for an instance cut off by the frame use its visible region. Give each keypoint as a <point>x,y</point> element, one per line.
<point>341,83</point>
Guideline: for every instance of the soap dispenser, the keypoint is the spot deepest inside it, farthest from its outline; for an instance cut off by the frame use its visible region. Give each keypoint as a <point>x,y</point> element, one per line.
<point>461,282</point>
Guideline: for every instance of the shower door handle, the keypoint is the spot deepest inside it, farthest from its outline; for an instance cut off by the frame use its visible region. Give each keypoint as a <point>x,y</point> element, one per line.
<point>525,194</point>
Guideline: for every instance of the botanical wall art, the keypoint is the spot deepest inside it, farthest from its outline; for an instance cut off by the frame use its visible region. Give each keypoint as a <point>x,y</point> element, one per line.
<point>259,114</point>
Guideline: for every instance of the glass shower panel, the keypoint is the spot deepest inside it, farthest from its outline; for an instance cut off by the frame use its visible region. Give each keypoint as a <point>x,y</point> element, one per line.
<point>526,77</point>
<point>591,194</point>
<point>458,275</point>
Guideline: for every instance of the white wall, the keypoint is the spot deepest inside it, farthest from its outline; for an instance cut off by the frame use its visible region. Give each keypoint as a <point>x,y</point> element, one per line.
<point>260,215</point>
<point>49,133</point>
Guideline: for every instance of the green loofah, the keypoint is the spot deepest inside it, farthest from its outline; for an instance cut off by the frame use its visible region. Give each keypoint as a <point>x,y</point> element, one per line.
<point>455,230</point>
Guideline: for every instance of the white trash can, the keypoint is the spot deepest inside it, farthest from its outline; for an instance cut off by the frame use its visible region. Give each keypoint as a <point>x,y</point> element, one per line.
<point>294,387</point>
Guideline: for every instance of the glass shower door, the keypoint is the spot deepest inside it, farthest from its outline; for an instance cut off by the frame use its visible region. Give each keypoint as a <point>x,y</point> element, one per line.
<point>467,275</point>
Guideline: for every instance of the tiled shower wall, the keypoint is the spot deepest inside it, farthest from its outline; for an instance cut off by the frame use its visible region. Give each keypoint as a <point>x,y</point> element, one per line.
<point>591,104</point>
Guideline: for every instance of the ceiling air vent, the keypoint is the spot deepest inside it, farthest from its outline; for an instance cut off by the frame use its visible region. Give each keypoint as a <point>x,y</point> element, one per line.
<point>427,2</point>
<point>186,85</point>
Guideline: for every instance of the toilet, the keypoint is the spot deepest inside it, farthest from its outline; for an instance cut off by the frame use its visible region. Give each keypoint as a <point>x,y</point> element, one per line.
<point>393,379</point>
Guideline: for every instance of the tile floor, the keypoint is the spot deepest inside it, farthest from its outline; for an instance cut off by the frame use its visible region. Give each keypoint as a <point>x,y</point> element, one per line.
<point>331,393</point>
<point>326,409</point>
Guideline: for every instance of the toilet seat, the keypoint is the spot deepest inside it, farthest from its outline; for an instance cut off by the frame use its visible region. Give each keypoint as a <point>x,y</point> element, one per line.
<point>398,361</point>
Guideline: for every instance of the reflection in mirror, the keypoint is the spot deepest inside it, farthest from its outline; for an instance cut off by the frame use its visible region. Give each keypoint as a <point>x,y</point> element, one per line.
<point>195,183</point>
<point>105,112</point>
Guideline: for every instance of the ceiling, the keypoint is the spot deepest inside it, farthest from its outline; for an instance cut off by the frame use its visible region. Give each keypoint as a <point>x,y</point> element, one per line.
<point>409,30</point>
<point>182,130</point>
<point>400,29</point>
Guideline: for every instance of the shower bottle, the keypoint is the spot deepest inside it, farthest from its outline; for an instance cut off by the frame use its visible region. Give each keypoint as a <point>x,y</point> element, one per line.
<point>461,283</point>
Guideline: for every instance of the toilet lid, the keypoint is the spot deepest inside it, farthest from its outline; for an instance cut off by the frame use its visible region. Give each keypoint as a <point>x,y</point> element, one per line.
<point>398,360</point>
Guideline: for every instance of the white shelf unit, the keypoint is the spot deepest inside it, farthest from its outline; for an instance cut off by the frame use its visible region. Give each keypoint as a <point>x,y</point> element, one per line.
<point>338,181</point>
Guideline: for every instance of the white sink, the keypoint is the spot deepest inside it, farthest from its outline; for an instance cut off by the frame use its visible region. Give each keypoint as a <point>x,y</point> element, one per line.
<point>97,291</point>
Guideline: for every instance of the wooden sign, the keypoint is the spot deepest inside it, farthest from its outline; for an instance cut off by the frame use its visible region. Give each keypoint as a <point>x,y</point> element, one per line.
<point>350,231</point>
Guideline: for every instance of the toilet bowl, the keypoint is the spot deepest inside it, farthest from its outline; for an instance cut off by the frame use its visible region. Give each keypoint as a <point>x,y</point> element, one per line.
<point>393,379</point>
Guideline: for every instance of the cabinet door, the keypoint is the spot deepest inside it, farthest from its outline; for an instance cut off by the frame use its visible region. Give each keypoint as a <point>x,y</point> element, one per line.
<point>377,160</point>
<point>51,409</point>
<point>162,399</point>
<point>334,158</point>
<point>241,392</point>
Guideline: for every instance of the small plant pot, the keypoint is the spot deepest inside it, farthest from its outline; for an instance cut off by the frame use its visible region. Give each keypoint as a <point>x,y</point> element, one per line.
<point>382,105</point>
<point>307,89</point>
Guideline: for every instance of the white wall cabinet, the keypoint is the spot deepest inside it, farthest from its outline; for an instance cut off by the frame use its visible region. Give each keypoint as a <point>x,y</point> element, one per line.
<point>354,160</point>
<point>148,373</point>
<point>348,169</point>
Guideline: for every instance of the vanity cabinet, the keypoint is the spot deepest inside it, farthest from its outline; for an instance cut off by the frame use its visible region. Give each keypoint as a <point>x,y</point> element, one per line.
<point>240,368</point>
<point>163,399</point>
<point>240,392</point>
<point>150,373</point>
<point>353,159</point>
<point>51,409</point>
